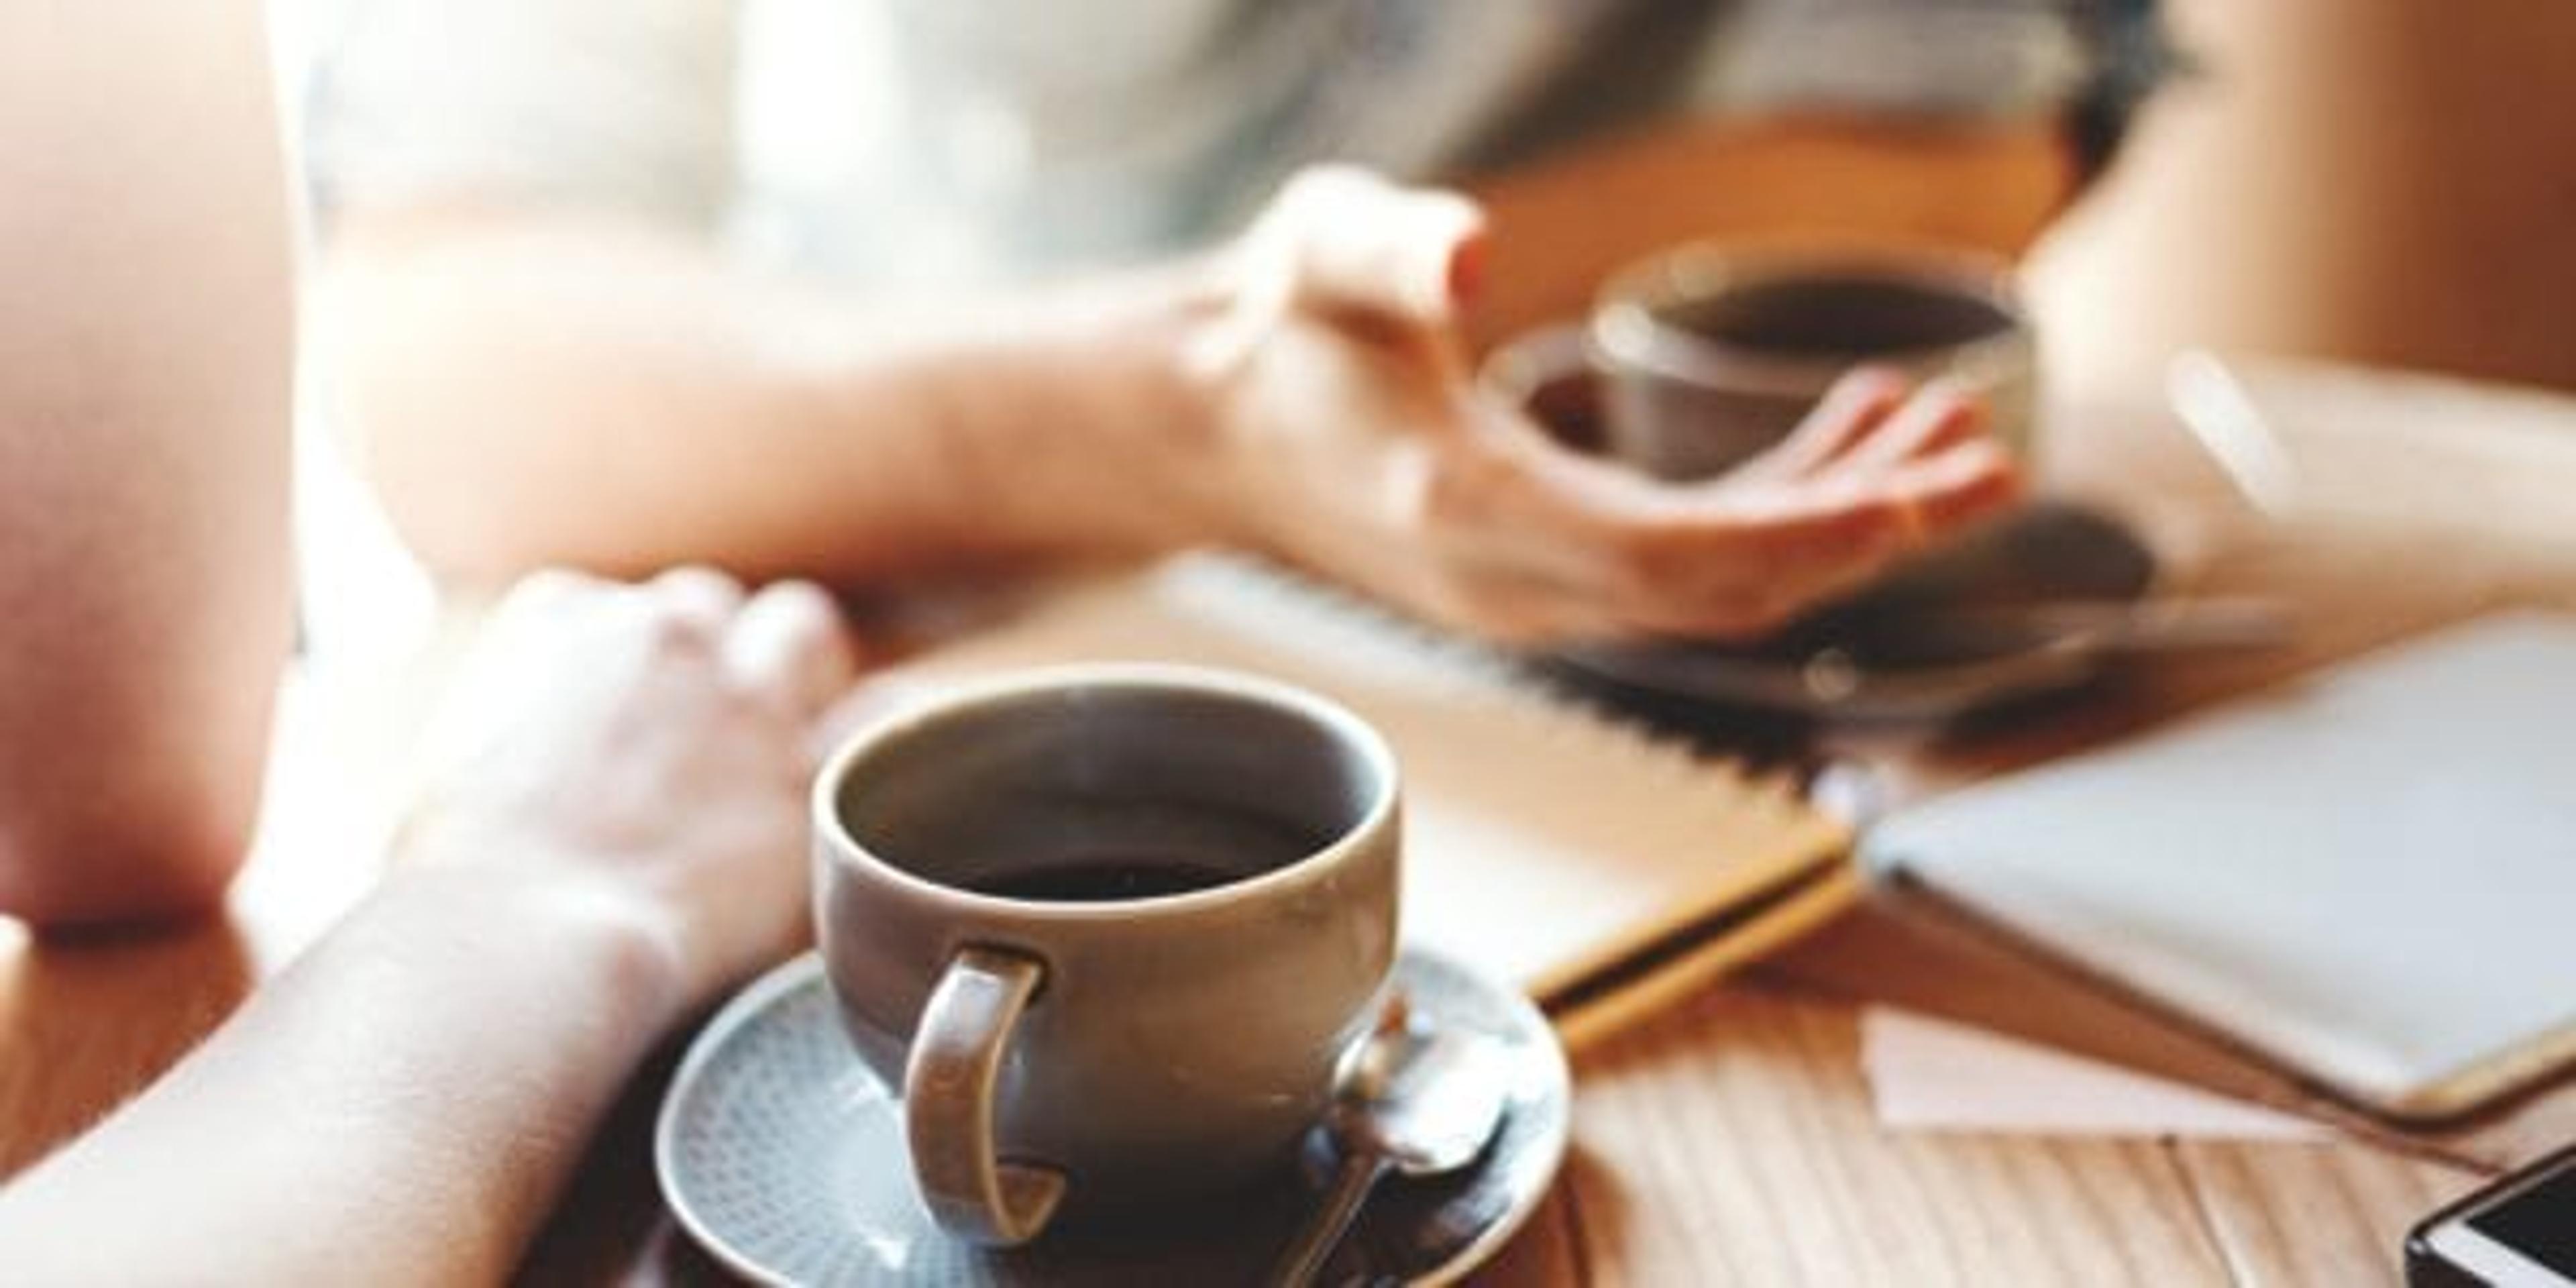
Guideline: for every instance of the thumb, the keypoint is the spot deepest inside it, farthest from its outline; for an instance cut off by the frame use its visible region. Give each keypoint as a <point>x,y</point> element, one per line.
<point>1362,243</point>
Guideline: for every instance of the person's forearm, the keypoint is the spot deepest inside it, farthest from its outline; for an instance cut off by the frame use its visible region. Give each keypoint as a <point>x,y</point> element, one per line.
<point>145,370</point>
<point>400,1106</point>
<point>531,388</point>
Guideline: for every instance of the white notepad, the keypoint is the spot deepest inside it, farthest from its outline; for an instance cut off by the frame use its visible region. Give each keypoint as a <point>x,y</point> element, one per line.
<point>2368,876</point>
<point>1599,867</point>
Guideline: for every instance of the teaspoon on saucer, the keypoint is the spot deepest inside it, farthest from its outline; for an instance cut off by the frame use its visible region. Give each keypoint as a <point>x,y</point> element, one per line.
<point>1414,1098</point>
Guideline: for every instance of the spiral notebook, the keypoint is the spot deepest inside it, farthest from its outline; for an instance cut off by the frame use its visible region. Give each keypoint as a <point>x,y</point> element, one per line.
<point>1604,869</point>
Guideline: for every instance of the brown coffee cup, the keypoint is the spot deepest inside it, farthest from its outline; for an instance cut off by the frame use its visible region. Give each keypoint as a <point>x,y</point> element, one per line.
<point>1108,928</point>
<point>1707,356</point>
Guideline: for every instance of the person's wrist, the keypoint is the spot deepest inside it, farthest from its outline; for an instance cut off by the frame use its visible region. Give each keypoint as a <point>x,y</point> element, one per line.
<point>1195,457</point>
<point>1222,472</point>
<point>562,915</point>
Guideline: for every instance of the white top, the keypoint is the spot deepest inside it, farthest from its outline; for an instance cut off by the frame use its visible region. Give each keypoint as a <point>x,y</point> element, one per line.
<point>946,140</point>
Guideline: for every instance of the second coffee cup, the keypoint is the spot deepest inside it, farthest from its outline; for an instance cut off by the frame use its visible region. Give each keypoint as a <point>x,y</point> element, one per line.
<point>1708,355</point>
<point>1108,928</point>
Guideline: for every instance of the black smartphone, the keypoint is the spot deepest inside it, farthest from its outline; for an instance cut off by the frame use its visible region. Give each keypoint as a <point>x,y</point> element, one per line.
<point>2519,1232</point>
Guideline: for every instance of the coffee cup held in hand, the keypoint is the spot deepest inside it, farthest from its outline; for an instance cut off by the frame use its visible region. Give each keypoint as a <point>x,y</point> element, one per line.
<point>1108,928</point>
<point>1707,356</point>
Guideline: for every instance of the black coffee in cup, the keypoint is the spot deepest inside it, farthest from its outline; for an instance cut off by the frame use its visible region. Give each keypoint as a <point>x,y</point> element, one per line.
<point>1851,316</point>
<point>1108,877</point>
<point>1098,802</point>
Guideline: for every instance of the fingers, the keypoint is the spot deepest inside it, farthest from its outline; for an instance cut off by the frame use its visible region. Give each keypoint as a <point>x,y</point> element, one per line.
<point>1956,487</point>
<point>1610,552</point>
<point>698,595</point>
<point>788,644</point>
<point>1341,240</point>
<point>1869,422</point>
<point>1850,412</point>
<point>1878,517</point>
<point>1340,237</point>
<point>1829,539</point>
<point>540,593</point>
<point>1364,243</point>
<point>1941,414</point>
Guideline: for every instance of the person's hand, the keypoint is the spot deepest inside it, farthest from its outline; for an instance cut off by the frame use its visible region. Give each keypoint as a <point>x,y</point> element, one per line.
<point>649,745</point>
<point>1354,441</point>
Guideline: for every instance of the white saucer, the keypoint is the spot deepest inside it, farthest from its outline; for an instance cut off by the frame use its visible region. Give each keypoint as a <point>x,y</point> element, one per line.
<point>783,1156</point>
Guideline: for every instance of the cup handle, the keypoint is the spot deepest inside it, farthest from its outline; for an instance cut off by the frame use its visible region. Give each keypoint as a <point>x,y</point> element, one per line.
<point>948,1090</point>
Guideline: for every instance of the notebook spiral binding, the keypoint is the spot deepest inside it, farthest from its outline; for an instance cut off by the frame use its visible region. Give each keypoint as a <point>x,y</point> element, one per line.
<point>1235,585</point>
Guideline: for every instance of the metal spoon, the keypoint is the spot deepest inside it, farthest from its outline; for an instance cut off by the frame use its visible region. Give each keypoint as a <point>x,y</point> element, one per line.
<point>1412,1098</point>
<point>1943,661</point>
<point>2169,624</point>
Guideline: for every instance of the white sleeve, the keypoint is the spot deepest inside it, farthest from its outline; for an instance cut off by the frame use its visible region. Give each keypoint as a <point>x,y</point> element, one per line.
<point>621,103</point>
<point>1907,57</point>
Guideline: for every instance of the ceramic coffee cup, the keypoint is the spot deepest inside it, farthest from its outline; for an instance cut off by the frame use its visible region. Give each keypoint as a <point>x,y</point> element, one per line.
<point>1706,356</point>
<point>1108,929</point>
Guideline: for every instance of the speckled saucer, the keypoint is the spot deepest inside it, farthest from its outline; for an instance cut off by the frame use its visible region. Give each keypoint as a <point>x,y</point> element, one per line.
<point>783,1156</point>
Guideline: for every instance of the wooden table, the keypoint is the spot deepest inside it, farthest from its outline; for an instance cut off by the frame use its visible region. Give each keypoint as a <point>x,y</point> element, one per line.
<point>1731,1140</point>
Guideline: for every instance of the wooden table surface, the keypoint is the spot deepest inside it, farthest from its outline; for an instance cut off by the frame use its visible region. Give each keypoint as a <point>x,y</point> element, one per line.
<point>1732,1139</point>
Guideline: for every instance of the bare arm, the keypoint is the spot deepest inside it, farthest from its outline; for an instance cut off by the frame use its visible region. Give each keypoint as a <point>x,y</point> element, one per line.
<point>398,1108</point>
<point>537,387</point>
<point>569,386</point>
<point>401,1106</point>
<point>145,335</point>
